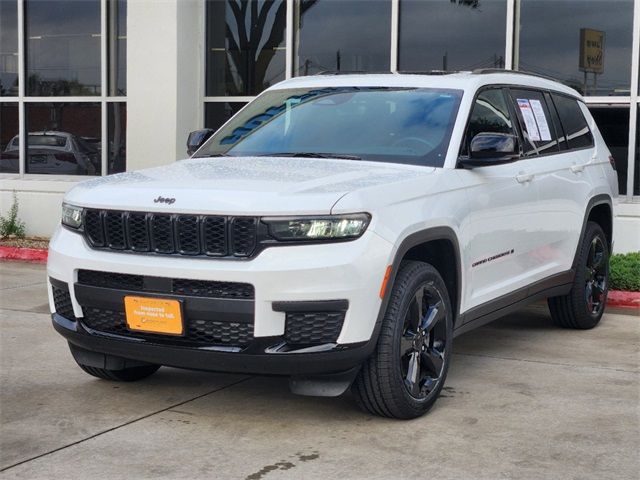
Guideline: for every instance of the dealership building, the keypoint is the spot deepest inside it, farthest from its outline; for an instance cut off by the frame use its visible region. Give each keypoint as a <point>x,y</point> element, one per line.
<point>117,85</point>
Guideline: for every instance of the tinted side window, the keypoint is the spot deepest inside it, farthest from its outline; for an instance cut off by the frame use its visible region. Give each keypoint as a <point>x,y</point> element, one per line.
<point>574,124</point>
<point>537,127</point>
<point>490,114</point>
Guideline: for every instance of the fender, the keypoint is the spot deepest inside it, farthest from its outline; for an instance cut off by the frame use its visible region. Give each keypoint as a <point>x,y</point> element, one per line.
<point>412,240</point>
<point>600,199</point>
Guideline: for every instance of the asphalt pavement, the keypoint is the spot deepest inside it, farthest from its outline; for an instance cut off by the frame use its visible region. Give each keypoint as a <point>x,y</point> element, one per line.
<point>523,400</point>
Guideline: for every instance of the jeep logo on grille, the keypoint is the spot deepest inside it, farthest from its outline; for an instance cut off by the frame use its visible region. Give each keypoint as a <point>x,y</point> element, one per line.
<point>166,200</point>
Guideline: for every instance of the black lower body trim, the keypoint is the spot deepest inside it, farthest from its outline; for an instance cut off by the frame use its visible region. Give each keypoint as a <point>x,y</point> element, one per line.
<point>559,284</point>
<point>334,359</point>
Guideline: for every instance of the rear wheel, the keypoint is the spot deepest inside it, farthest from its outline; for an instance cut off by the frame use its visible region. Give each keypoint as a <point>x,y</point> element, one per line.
<point>583,306</point>
<point>405,374</point>
<point>130,374</point>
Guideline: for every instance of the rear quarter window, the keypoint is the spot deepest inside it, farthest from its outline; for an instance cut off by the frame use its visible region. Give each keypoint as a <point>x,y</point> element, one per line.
<point>575,127</point>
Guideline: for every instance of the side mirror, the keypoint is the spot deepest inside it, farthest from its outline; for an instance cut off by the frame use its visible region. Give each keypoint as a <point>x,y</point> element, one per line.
<point>197,138</point>
<point>491,149</point>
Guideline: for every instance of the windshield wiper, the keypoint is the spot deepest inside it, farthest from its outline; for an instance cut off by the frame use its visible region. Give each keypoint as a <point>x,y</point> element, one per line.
<point>311,155</point>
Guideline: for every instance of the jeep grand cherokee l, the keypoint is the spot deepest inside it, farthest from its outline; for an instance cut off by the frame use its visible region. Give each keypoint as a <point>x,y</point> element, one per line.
<point>341,230</point>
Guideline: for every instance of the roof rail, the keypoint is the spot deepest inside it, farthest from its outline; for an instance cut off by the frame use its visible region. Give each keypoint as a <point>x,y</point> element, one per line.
<point>481,71</point>
<point>428,72</point>
<point>351,72</point>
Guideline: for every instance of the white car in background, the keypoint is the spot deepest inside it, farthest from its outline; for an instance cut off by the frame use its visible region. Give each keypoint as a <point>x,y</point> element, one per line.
<point>342,230</point>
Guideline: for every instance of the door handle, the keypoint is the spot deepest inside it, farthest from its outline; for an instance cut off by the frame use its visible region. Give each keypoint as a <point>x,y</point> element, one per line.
<point>524,177</point>
<point>575,168</point>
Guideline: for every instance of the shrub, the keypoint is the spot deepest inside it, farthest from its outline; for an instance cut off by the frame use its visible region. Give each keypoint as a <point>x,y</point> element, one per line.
<point>624,272</point>
<point>12,225</point>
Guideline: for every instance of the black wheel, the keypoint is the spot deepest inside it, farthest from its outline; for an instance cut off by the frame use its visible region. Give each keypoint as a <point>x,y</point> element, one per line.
<point>583,306</point>
<point>406,372</point>
<point>131,374</point>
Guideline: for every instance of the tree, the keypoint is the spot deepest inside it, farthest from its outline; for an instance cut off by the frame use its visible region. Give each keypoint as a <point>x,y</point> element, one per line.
<point>247,51</point>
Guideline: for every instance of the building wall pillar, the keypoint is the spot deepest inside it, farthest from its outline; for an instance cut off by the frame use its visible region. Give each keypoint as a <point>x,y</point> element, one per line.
<point>164,52</point>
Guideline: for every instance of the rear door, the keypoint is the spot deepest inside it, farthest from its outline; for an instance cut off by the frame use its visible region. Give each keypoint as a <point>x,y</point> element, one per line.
<point>559,160</point>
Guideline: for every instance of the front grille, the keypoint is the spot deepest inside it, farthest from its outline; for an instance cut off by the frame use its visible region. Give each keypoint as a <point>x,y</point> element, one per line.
<point>303,328</point>
<point>197,332</point>
<point>62,302</point>
<point>178,286</point>
<point>193,235</point>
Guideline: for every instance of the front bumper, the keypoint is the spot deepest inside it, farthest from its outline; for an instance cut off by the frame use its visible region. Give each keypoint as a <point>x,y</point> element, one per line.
<point>352,271</point>
<point>251,361</point>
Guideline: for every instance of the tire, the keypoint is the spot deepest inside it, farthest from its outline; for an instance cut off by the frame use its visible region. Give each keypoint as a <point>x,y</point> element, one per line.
<point>583,307</point>
<point>411,344</point>
<point>131,374</point>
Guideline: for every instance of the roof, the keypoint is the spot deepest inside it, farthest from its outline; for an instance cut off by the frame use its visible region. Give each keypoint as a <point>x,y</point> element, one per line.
<point>468,81</point>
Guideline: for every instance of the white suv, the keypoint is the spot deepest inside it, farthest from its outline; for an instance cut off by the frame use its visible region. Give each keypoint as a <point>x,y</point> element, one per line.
<point>341,230</point>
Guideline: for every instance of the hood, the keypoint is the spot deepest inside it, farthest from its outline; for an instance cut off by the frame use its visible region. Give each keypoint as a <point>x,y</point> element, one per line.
<point>240,185</point>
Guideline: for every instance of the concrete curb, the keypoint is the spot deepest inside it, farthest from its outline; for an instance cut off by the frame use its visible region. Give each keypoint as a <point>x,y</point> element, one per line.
<point>623,299</point>
<point>36,255</point>
<point>616,298</point>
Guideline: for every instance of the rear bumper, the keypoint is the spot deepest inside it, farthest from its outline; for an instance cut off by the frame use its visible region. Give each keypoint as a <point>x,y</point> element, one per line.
<point>260,358</point>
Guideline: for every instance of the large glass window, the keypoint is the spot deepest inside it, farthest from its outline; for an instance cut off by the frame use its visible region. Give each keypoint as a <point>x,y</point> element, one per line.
<point>451,35</point>
<point>216,114</point>
<point>245,46</point>
<point>63,138</point>
<point>8,48</point>
<point>8,134</point>
<point>62,47</point>
<point>613,123</point>
<point>585,44</point>
<point>117,47</point>
<point>346,35</point>
<point>396,125</point>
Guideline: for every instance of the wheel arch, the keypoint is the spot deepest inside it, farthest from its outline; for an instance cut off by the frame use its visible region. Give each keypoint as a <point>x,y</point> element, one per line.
<point>436,246</point>
<point>599,210</point>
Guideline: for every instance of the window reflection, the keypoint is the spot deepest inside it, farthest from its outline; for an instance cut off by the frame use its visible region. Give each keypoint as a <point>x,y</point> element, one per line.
<point>216,114</point>
<point>62,47</point>
<point>63,139</point>
<point>117,134</point>
<point>451,35</point>
<point>245,46</point>
<point>8,48</point>
<point>342,36</point>
<point>549,34</point>
<point>8,131</point>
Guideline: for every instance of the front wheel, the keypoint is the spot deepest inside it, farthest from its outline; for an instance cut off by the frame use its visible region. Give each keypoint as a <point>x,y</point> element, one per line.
<point>406,372</point>
<point>583,307</point>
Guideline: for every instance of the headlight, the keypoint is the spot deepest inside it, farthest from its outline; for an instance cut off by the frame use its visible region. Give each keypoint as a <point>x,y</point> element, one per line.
<point>332,227</point>
<point>71,216</point>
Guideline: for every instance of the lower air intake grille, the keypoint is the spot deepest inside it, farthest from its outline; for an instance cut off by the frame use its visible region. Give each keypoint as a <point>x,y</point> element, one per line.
<point>198,332</point>
<point>62,302</point>
<point>178,286</point>
<point>304,328</point>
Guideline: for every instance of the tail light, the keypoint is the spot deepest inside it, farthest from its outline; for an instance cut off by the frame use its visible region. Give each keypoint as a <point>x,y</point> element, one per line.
<point>612,161</point>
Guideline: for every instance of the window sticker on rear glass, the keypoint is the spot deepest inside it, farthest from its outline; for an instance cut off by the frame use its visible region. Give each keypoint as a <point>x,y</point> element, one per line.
<point>529,119</point>
<point>541,119</point>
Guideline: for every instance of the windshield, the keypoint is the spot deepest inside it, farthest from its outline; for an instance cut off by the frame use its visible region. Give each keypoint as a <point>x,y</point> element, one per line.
<point>397,125</point>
